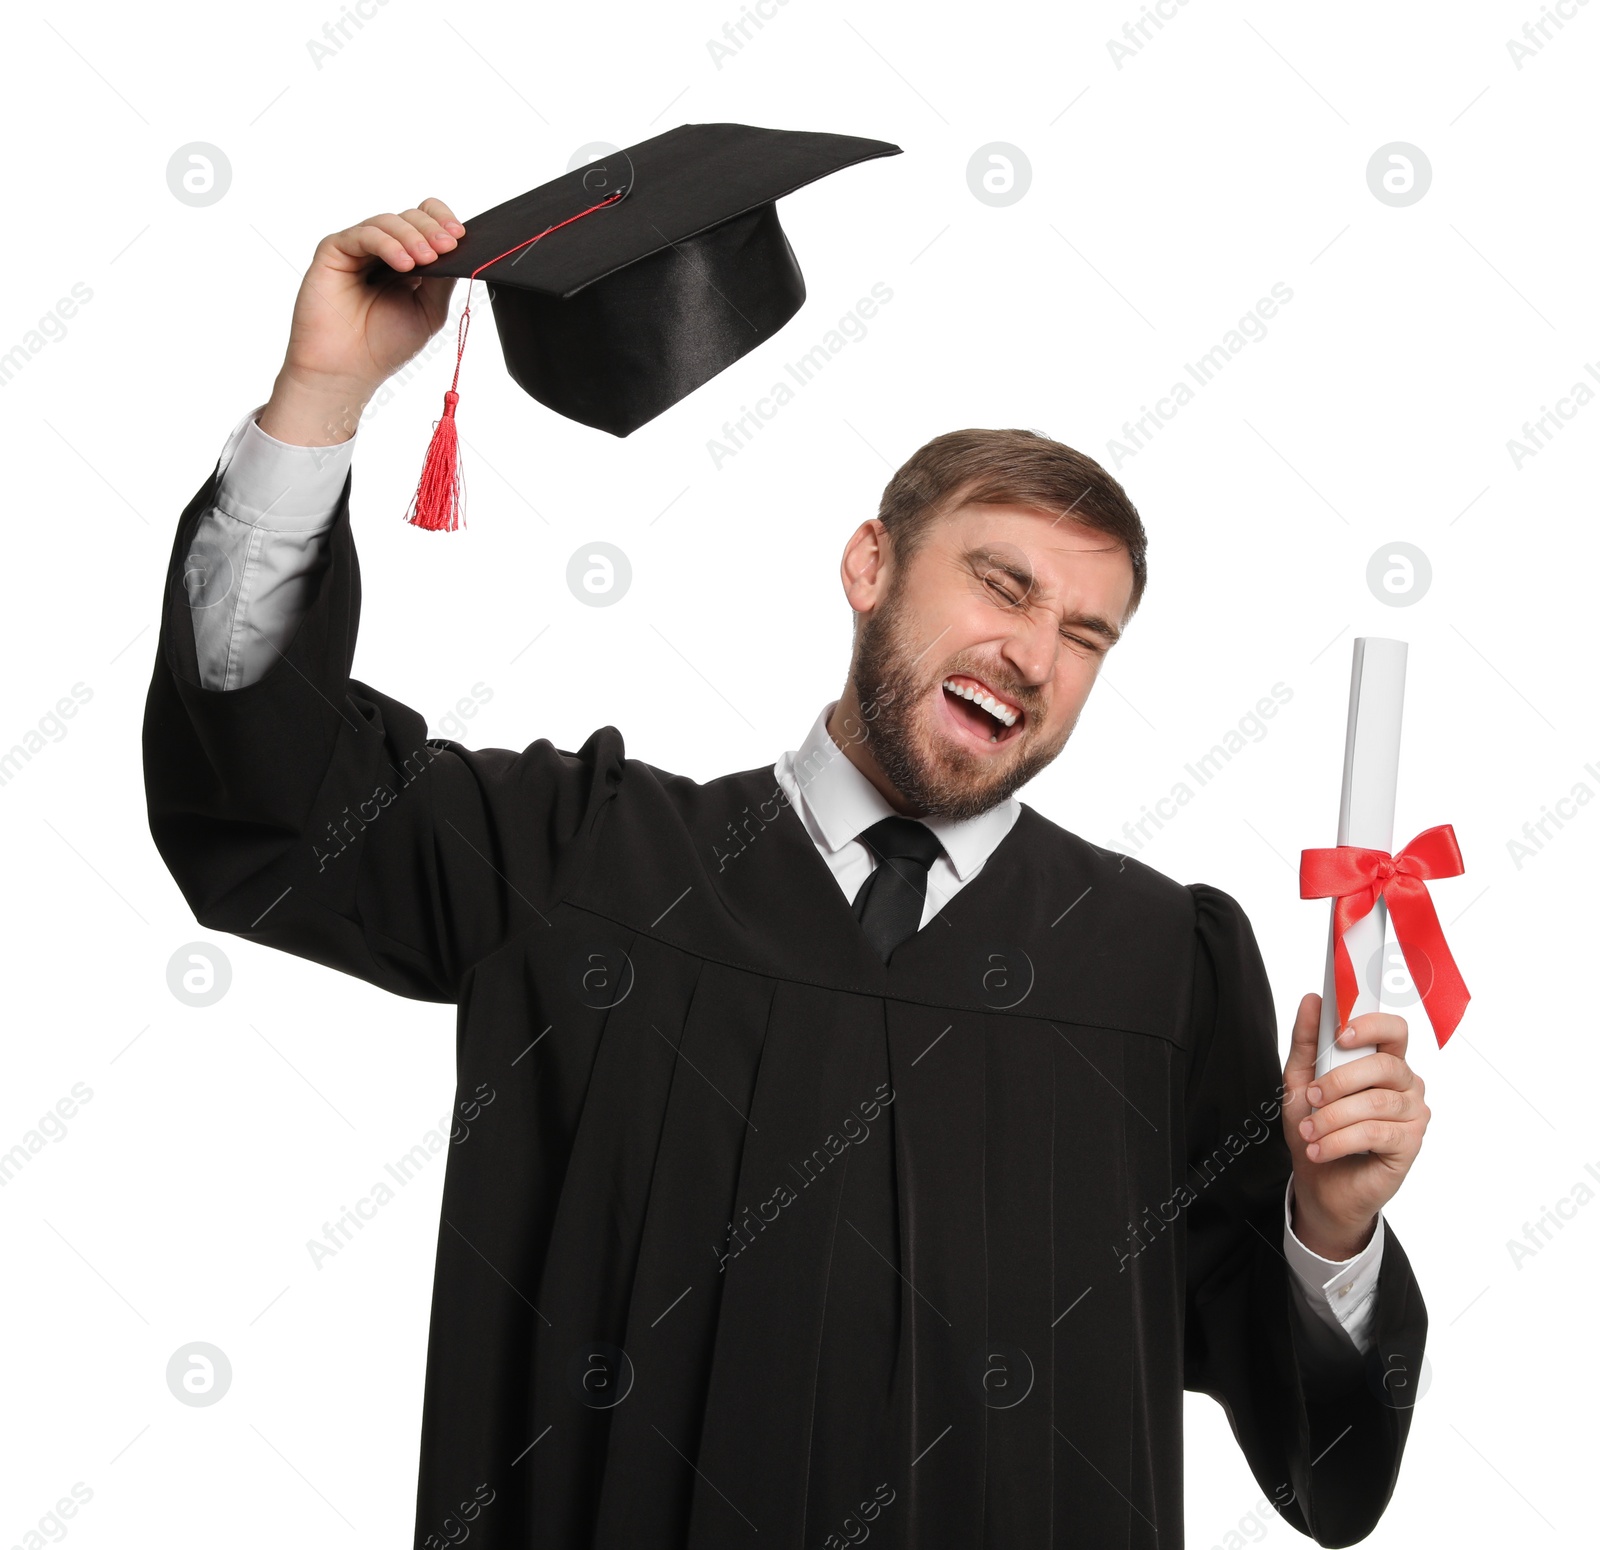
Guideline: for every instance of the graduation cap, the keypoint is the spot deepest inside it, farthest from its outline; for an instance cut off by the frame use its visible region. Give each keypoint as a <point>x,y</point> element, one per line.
<point>620,287</point>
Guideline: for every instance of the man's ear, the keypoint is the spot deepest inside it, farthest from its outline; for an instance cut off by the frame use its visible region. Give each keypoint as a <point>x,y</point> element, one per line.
<point>864,567</point>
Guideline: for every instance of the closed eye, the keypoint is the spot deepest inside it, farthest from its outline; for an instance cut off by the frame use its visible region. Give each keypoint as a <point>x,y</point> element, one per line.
<point>1006,597</point>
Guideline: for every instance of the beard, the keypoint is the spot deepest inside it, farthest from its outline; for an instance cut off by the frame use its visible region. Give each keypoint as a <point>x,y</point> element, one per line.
<point>934,775</point>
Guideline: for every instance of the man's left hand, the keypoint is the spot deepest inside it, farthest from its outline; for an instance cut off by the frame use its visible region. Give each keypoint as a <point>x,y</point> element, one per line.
<point>1353,1133</point>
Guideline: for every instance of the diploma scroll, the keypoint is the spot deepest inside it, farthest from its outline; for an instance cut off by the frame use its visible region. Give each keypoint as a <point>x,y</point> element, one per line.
<point>1366,817</point>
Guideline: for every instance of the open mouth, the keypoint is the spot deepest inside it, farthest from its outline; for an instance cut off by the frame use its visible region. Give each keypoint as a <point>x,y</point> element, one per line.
<point>979,713</point>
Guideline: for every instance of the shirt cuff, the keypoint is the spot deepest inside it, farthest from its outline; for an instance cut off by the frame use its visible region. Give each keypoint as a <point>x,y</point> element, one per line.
<point>274,485</point>
<point>1341,1294</point>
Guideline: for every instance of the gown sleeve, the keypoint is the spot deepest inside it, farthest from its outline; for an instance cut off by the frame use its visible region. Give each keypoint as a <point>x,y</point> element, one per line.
<point>1333,1437</point>
<point>313,814</point>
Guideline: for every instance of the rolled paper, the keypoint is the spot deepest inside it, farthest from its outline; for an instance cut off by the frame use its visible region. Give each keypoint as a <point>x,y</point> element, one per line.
<point>1366,818</point>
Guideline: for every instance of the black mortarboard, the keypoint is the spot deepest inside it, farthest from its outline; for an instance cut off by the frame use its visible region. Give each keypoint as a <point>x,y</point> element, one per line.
<point>656,268</point>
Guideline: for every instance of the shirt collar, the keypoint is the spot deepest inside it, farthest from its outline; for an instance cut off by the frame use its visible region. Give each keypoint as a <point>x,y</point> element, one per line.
<point>839,802</point>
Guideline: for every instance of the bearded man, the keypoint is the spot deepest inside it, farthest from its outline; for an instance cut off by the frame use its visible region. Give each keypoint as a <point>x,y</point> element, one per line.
<point>846,1148</point>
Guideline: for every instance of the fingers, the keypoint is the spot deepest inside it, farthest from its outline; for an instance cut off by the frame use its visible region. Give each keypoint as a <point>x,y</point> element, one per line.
<point>1386,1103</point>
<point>414,242</point>
<point>442,212</point>
<point>439,235</point>
<point>1379,1070</point>
<point>358,245</point>
<point>1386,1138</point>
<point>1301,1066</point>
<point>1374,1104</point>
<point>1382,1029</point>
<point>405,241</point>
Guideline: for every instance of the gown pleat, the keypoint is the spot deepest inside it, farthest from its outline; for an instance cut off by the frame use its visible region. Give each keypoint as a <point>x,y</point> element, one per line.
<point>669,1324</point>
<point>1092,1300</point>
<point>1019,1380</point>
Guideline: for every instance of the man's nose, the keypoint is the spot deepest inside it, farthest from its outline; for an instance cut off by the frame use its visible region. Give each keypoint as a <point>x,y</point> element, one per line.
<point>1031,649</point>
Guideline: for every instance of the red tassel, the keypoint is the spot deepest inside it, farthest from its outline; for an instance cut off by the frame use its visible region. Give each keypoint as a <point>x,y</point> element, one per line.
<point>437,503</point>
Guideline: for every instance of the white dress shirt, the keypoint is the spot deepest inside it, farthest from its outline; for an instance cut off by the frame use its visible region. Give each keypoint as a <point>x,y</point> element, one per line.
<point>836,802</point>
<point>249,582</point>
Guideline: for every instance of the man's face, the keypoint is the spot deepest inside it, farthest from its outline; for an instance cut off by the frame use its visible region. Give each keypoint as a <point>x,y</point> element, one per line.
<point>975,655</point>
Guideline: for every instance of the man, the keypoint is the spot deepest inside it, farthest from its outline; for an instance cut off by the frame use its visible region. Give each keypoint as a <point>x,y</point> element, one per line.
<point>845,1148</point>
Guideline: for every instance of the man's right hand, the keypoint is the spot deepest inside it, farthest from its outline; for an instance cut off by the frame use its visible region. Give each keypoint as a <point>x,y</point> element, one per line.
<point>349,336</point>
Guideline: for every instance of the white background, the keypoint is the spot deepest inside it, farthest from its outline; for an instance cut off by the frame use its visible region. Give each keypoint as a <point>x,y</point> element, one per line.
<point>1167,196</point>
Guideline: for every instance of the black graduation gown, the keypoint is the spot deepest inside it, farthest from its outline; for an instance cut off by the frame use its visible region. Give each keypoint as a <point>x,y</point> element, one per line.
<point>748,1238</point>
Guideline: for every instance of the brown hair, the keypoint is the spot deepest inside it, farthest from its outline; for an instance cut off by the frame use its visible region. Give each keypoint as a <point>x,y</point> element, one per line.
<point>1012,468</point>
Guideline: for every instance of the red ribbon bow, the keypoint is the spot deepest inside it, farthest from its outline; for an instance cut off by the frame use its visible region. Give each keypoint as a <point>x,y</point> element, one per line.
<point>1356,878</point>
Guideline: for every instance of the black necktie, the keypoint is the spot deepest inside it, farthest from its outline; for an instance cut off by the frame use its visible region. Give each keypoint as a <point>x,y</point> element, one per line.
<point>889,905</point>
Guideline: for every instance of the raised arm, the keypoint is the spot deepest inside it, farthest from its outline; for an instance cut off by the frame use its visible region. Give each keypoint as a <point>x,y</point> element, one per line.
<point>255,552</point>
<point>295,805</point>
